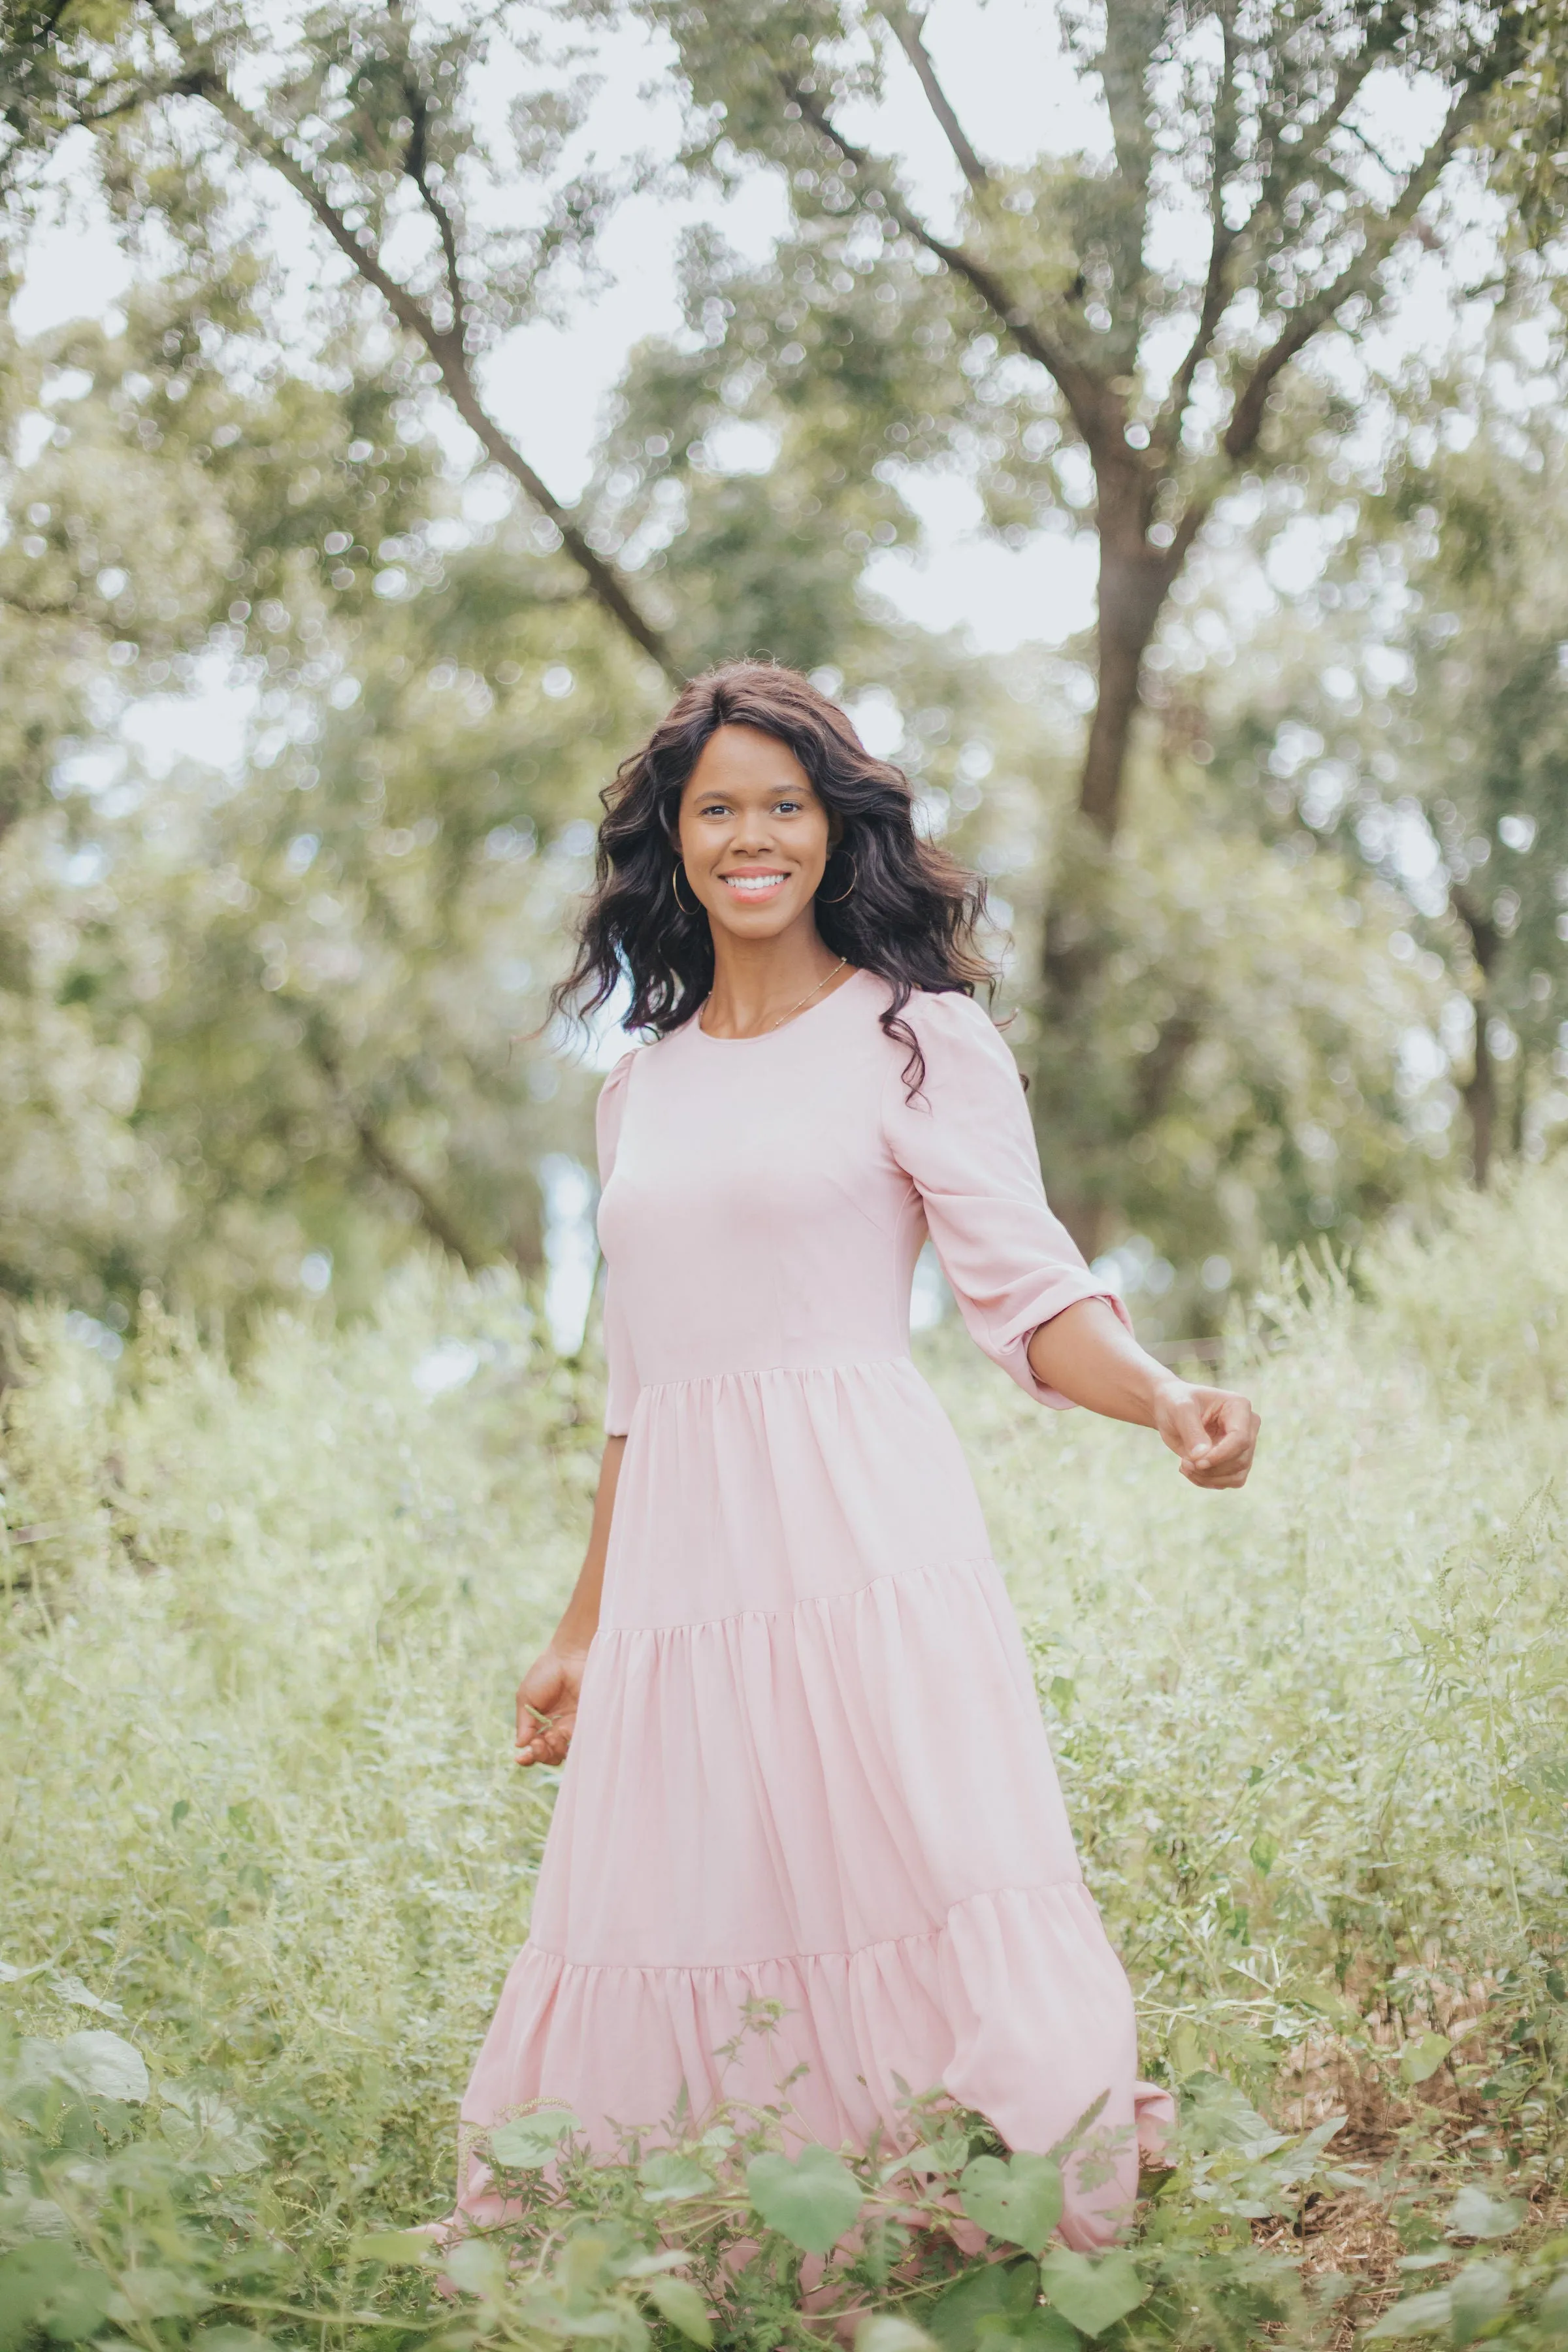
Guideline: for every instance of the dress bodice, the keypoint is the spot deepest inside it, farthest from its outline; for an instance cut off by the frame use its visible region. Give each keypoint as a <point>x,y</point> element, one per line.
<point>764,1199</point>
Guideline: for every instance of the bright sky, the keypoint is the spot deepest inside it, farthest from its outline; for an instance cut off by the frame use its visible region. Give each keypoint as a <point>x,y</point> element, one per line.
<point>1001,65</point>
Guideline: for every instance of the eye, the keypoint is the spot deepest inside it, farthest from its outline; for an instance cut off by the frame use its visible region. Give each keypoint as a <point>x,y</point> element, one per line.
<point>714,808</point>
<point>788,808</point>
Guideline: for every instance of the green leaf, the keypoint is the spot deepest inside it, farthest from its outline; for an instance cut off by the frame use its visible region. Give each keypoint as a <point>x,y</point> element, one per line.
<point>71,1989</point>
<point>530,2141</point>
<point>104,2065</point>
<point>208,2133</point>
<point>1474,2214</point>
<point>1217,2116</point>
<point>29,2275</point>
<point>79,2307</point>
<point>995,2291</point>
<point>886,2332</point>
<point>1092,2294</point>
<point>1418,2315</point>
<point>1186,2051</point>
<point>44,2283</point>
<point>1419,2060</point>
<point>1019,2199</point>
<point>144,2294</point>
<point>1039,2331</point>
<point>478,2266</point>
<point>811,2202</point>
<point>666,2178</point>
<point>395,2246</point>
<point>949,2152</point>
<point>1552,2314</point>
<point>230,2339</point>
<point>676,2300</point>
<point>1475,2298</point>
<point>1264,1853</point>
<point>1545,1775</point>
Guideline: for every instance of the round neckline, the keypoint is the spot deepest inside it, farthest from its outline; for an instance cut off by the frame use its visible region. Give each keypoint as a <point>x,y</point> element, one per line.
<point>857,971</point>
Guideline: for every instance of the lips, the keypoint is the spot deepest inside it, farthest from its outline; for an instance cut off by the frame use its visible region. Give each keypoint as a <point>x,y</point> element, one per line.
<point>754,886</point>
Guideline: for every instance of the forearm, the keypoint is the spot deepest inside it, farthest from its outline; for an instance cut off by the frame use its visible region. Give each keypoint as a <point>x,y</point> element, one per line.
<point>1087,1355</point>
<point>580,1621</point>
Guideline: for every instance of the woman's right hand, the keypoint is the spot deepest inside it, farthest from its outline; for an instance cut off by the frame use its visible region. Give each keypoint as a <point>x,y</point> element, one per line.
<point>547,1706</point>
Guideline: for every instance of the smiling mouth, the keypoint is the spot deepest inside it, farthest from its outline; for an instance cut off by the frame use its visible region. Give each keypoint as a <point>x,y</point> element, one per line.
<point>754,886</point>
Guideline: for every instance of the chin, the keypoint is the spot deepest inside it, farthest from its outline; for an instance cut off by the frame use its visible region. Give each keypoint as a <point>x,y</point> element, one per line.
<point>757,922</point>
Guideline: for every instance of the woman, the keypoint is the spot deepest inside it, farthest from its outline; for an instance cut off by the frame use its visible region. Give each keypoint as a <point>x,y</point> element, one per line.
<point>804,1762</point>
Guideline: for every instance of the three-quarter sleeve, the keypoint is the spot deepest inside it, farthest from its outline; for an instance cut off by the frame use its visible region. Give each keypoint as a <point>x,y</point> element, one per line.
<point>966,1143</point>
<point>621,1384</point>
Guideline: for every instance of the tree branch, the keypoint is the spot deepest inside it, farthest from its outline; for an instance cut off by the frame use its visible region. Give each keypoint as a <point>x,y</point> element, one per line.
<point>444,345</point>
<point>415,163</point>
<point>1222,242</point>
<point>907,31</point>
<point>1079,388</point>
<point>385,1161</point>
<point>1251,404</point>
<point>1225,241</point>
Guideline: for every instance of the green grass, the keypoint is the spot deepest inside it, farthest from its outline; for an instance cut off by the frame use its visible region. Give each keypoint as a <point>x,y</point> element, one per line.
<point>258,1816</point>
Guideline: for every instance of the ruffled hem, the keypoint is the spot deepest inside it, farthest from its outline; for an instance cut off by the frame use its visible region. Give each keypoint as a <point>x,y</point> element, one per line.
<point>1014,2005</point>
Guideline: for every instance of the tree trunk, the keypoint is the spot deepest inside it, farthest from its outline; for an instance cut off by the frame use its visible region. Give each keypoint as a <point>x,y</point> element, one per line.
<point>1479,1089</point>
<point>1134,580</point>
<point>1521,1109</point>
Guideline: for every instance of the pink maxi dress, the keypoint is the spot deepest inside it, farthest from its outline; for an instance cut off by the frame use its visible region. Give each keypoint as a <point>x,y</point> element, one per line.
<point>809,1766</point>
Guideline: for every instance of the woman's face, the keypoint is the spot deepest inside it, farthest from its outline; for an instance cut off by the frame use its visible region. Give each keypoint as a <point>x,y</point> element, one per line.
<point>754,837</point>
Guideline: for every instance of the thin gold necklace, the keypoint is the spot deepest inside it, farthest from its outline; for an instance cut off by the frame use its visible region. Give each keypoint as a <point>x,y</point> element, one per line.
<point>804,1001</point>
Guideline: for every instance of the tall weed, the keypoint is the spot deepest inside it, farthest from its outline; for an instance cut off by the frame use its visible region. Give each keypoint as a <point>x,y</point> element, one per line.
<point>259,1829</point>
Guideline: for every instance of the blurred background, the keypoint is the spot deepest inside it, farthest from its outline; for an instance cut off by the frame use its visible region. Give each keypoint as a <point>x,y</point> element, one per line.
<point>398,401</point>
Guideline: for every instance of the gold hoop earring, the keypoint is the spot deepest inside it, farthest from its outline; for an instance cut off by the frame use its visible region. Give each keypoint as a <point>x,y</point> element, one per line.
<point>854,877</point>
<point>675,885</point>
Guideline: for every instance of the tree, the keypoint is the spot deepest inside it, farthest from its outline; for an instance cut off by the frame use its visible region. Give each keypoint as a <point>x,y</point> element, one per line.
<point>1485,637</point>
<point>1417,718</point>
<point>371,123</point>
<point>311,963</point>
<point>1043,340</point>
<point>247,1017</point>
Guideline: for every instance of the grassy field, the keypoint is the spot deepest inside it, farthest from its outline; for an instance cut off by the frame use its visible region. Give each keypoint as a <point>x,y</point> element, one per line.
<point>260,1835</point>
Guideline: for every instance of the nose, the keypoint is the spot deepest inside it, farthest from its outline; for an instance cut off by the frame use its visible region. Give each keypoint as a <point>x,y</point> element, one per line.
<point>752,834</point>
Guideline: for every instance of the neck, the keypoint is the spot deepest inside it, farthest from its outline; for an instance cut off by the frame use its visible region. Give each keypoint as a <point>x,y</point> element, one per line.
<point>757,983</point>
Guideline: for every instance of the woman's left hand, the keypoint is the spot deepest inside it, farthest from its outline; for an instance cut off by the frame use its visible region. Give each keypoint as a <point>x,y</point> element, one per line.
<point>1213,1430</point>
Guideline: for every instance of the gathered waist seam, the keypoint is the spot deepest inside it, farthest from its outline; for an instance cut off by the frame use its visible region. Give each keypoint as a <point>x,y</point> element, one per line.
<point>773,1372</point>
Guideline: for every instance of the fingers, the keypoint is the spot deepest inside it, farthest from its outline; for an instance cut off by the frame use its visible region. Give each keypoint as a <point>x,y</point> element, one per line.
<point>1211,1481</point>
<point>545,1742</point>
<point>1188,1434</point>
<point>540,1696</point>
<point>543,1738</point>
<point>1232,1427</point>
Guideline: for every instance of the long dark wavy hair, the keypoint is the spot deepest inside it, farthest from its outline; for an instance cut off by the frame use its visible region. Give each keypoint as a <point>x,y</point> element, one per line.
<point>891,903</point>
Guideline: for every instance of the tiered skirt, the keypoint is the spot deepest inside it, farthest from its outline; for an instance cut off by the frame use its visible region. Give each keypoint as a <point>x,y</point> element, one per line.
<point>809,1850</point>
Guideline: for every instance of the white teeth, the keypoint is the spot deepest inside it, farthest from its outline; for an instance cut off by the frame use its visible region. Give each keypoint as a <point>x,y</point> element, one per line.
<point>753,885</point>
